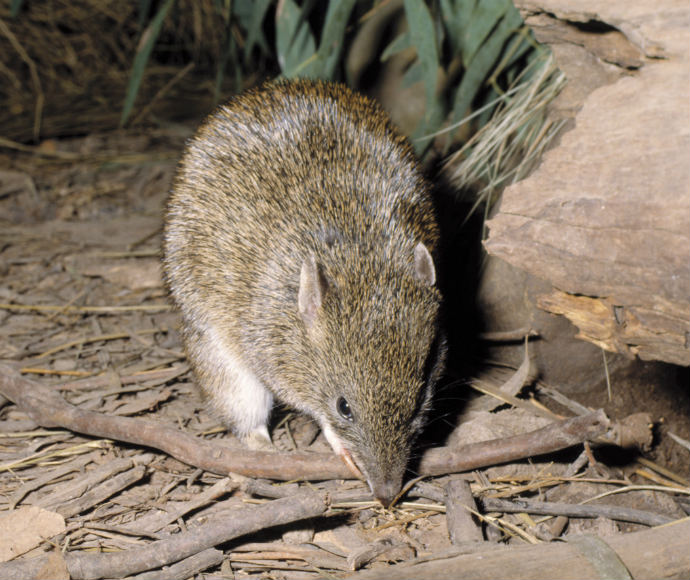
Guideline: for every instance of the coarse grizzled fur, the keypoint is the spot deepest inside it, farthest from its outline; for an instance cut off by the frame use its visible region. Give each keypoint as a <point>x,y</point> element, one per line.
<point>298,247</point>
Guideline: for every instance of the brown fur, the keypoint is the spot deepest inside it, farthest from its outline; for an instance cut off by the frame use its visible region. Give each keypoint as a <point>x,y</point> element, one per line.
<point>306,173</point>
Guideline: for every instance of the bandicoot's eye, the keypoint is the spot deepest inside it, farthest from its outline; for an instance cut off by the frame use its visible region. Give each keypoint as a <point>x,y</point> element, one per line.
<point>344,409</point>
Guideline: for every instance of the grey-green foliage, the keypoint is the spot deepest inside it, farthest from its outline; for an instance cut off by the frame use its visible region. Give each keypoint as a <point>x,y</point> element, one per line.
<point>248,15</point>
<point>486,38</point>
<point>141,58</point>
<point>296,47</point>
<point>422,36</point>
<point>15,7</point>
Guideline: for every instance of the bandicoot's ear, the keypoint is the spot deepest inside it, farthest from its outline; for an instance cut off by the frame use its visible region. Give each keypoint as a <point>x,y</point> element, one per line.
<point>312,288</point>
<point>424,265</point>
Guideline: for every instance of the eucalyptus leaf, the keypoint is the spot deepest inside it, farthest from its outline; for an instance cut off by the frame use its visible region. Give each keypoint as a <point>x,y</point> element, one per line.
<point>485,18</point>
<point>332,37</point>
<point>228,55</point>
<point>146,43</point>
<point>413,75</point>
<point>251,14</point>
<point>521,42</point>
<point>295,42</point>
<point>456,16</point>
<point>483,62</point>
<point>423,37</point>
<point>400,43</point>
<point>143,13</point>
<point>15,7</point>
<point>424,132</point>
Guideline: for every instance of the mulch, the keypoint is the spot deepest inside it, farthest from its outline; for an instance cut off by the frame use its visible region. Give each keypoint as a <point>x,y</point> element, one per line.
<point>111,466</point>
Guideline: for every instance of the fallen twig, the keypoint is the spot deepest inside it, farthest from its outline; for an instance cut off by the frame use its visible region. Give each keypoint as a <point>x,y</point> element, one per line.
<point>459,501</point>
<point>99,338</point>
<point>553,437</point>
<point>216,530</point>
<point>101,492</point>
<point>276,551</point>
<point>575,511</point>
<point>77,495</point>
<point>49,409</point>
<point>150,308</point>
<point>156,522</point>
<point>660,552</point>
<point>515,335</point>
<point>106,380</point>
<point>187,568</point>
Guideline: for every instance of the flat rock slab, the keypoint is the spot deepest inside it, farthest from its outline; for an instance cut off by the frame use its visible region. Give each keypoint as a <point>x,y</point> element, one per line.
<point>606,217</point>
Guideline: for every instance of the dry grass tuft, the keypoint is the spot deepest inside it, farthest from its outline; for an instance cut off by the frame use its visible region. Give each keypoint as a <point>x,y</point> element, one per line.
<point>66,64</point>
<point>510,145</point>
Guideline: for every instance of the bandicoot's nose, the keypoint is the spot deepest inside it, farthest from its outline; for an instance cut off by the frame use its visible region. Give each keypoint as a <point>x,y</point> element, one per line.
<point>385,491</point>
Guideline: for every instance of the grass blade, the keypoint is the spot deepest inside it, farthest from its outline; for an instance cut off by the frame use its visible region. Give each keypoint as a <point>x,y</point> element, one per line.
<point>255,33</point>
<point>332,37</point>
<point>485,17</point>
<point>423,38</point>
<point>485,58</point>
<point>400,43</point>
<point>146,43</point>
<point>15,7</point>
<point>295,43</point>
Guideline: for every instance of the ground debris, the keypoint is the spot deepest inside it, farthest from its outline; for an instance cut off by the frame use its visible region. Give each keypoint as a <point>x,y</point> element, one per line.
<point>86,325</point>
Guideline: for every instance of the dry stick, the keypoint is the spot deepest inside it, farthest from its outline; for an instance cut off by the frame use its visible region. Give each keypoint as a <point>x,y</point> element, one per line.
<point>218,530</point>
<point>459,501</point>
<point>366,554</point>
<point>187,568</point>
<point>575,511</point>
<point>660,552</point>
<point>67,309</point>
<point>100,381</point>
<point>159,521</point>
<point>48,409</point>
<point>508,335</point>
<point>102,492</point>
<point>276,551</point>
<point>558,435</point>
<point>428,491</point>
<point>52,475</point>
<point>77,488</point>
<point>99,338</point>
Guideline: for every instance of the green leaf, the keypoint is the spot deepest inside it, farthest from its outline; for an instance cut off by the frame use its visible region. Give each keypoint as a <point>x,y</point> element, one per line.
<point>253,24</point>
<point>485,17</point>
<point>294,41</point>
<point>228,10</point>
<point>143,13</point>
<point>15,7</point>
<point>521,42</point>
<point>332,36</point>
<point>456,16</point>
<point>146,43</point>
<point>229,54</point>
<point>400,43</point>
<point>414,74</point>
<point>423,133</point>
<point>423,38</point>
<point>483,62</point>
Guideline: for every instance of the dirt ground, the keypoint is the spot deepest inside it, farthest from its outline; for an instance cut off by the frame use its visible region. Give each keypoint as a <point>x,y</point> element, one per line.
<point>84,312</point>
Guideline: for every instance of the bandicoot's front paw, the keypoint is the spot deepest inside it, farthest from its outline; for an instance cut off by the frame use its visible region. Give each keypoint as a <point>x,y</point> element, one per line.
<point>259,440</point>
